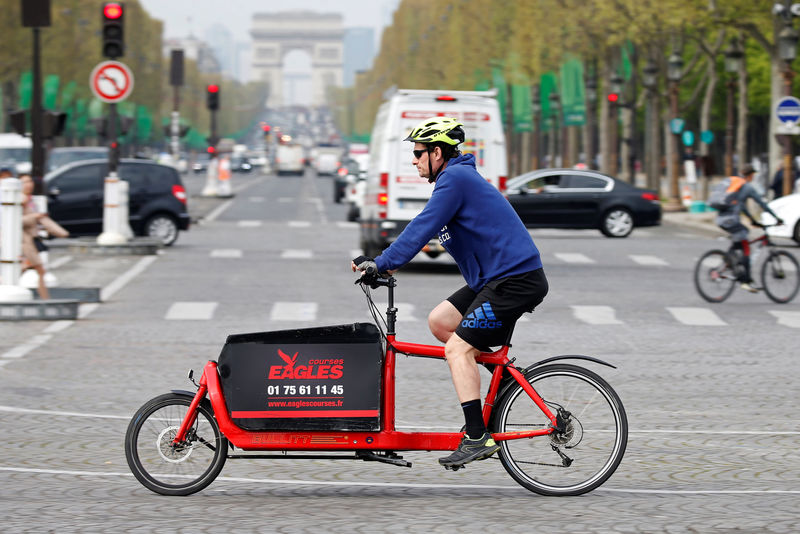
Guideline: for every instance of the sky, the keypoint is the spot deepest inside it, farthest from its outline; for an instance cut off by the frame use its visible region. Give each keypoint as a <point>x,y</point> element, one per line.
<point>182,17</point>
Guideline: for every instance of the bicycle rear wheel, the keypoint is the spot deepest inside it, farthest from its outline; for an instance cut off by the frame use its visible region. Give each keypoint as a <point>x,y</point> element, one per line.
<point>585,454</point>
<point>714,276</point>
<point>780,276</point>
<point>166,468</point>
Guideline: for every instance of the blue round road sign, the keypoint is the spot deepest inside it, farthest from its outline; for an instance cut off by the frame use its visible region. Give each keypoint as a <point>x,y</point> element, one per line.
<point>788,109</point>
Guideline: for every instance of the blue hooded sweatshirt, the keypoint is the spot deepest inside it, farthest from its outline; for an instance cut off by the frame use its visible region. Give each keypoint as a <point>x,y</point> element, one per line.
<point>475,224</point>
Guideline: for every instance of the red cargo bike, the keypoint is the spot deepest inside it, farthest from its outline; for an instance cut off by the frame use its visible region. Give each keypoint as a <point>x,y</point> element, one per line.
<point>329,393</point>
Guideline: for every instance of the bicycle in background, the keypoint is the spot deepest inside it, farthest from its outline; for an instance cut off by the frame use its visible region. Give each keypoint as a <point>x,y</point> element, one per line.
<point>717,272</point>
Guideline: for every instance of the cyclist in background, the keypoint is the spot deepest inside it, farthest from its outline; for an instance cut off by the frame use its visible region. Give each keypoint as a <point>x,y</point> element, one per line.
<point>495,253</point>
<point>728,220</point>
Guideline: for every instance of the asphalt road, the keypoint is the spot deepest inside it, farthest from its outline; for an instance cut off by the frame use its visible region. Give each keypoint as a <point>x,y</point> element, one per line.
<point>710,391</point>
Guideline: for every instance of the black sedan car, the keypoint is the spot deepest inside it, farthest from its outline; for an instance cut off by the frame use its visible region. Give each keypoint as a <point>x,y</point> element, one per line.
<point>571,198</point>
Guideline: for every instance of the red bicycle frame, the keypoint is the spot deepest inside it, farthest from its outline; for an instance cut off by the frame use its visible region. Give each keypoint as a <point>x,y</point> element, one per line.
<point>388,438</point>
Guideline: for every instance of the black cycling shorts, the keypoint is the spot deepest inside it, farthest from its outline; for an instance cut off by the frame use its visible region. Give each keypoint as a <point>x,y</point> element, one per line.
<point>489,316</point>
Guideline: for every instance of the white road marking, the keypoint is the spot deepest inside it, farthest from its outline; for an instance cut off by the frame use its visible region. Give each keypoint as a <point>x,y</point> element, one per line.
<point>218,211</point>
<point>293,311</point>
<point>256,199</point>
<point>299,224</point>
<point>226,253</point>
<point>33,343</point>
<point>249,224</point>
<point>696,316</point>
<point>595,314</point>
<point>297,254</point>
<point>487,487</point>
<point>347,224</point>
<point>191,311</point>
<point>573,257</point>
<point>83,310</point>
<point>787,318</point>
<point>648,260</point>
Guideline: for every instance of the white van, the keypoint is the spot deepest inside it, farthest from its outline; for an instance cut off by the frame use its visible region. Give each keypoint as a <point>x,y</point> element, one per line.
<point>15,152</point>
<point>394,192</point>
<point>290,159</point>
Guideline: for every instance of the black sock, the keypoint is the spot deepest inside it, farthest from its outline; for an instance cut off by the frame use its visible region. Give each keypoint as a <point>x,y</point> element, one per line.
<point>474,418</point>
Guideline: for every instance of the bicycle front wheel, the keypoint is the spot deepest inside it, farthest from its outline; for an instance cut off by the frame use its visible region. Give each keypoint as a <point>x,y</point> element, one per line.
<point>780,275</point>
<point>164,467</point>
<point>585,453</point>
<point>714,276</point>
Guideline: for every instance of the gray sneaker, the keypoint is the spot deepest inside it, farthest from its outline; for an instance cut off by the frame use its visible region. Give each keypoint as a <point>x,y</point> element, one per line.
<point>471,449</point>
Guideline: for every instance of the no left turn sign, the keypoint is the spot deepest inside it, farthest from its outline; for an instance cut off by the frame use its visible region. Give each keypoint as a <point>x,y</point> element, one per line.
<point>111,81</point>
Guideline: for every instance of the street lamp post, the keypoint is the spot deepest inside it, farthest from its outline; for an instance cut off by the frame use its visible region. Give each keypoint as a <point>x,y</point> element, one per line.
<point>613,125</point>
<point>787,50</point>
<point>674,74</point>
<point>591,97</point>
<point>649,80</point>
<point>536,104</point>
<point>733,63</point>
<point>555,106</point>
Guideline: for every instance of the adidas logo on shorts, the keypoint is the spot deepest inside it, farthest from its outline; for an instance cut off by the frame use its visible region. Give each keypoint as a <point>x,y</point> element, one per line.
<point>481,317</point>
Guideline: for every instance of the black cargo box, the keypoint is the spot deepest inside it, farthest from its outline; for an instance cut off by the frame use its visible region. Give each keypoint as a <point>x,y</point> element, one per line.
<point>325,378</point>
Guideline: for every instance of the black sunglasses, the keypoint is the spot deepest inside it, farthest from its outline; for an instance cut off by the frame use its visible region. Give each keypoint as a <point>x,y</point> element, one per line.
<point>418,153</point>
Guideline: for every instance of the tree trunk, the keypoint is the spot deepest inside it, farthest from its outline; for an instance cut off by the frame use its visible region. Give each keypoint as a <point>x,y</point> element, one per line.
<point>741,121</point>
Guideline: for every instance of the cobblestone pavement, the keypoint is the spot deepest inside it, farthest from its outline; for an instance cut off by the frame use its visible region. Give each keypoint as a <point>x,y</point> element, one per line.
<point>714,435</point>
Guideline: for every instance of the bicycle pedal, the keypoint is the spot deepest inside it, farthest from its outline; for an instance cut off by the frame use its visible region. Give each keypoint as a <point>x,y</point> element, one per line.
<point>453,467</point>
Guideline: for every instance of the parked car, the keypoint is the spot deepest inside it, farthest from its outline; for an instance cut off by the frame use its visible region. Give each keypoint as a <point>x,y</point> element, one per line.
<point>788,209</point>
<point>570,198</point>
<point>61,156</point>
<point>156,198</point>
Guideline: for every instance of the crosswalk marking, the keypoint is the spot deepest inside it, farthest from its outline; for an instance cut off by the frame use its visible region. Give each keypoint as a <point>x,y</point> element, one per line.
<point>573,257</point>
<point>787,318</point>
<point>293,311</point>
<point>191,311</point>
<point>296,254</point>
<point>226,253</point>
<point>595,314</point>
<point>696,316</point>
<point>299,224</point>
<point>648,260</point>
<point>256,199</point>
<point>347,224</point>
<point>249,224</point>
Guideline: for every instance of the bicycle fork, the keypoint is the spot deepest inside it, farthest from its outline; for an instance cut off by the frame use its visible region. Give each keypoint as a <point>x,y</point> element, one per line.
<point>191,413</point>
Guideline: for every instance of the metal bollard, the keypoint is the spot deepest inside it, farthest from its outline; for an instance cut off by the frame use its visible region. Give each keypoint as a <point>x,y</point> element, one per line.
<point>11,241</point>
<point>111,216</point>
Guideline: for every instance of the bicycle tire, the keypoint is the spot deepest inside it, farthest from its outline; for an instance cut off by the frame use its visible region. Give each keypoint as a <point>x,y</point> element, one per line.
<point>780,276</point>
<point>158,465</point>
<point>595,438</point>
<point>714,276</point>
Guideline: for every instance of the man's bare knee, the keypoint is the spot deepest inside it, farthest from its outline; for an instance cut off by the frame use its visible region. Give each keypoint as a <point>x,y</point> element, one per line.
<point>443,321</point>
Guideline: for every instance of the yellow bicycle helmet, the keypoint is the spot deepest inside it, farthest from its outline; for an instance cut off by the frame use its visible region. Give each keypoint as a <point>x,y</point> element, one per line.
<point>437,129</point>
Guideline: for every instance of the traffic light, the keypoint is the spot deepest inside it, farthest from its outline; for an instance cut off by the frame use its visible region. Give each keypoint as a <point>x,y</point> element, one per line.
<point>113,26</point>
<point>212,101</point>
<point>613,98</point>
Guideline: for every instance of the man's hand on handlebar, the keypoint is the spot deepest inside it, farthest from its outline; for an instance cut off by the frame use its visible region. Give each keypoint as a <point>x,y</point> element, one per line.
<point>369,270</point>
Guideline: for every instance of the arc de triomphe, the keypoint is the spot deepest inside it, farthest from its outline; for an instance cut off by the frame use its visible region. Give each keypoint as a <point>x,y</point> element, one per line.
<point>277,34</point>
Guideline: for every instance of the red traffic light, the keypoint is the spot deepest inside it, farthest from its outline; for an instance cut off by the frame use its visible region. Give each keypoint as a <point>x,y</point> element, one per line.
<point>266,127</point>
<point>112,10</point>
<point>211,150</point>
<point>613,97</point>
<point>213,88</point>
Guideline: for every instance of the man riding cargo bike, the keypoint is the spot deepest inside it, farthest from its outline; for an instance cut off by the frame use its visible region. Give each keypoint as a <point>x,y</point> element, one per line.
<point>495,253</point>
